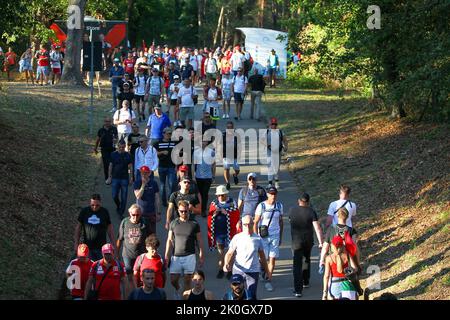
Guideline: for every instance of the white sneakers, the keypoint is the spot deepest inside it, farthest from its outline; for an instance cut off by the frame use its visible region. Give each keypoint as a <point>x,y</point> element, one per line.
<point>268,286</point>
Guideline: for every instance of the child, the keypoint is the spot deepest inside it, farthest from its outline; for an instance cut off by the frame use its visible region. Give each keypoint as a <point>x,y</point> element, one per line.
<point>150,260</point>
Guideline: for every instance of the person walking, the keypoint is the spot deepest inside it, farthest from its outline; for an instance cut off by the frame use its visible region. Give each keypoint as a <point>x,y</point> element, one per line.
<point>304,223</point>
<point>273,65</point>
<point>276,143</point>
<point>269,226</point>
<point>145,155</point>
<point>156,124</point>
<point>43,62</point>
<point>133,231</point>
<point>173,95</point>
<point>133,144</point>
<point>198,291</point>
<point>107,277</point>
<point>223,216</point>
<point>116,73</point>
<point>154,90</point>
<point>211,67</point>
<point>343,202</point>
<point>204,172</point>
<point>227,83</point>
<point>212,95</point>
<point>146,190</point>
<point>257,85</point>
<point>107,136</point>
<point>26,65</point>
<point>124,119</point>
<point>78,270</point>
<point>148,291</point>
<point>185,104</point>
<point>56,60</point>
<point>250,196</point>
<point>166,169</point>
<point>126,94</point>
<point>231,145</point>
<point>150,260</point>
<point>10,62</point>
<point>247,248</point>
<point>239,89</point>
<point>94,223</point>
<point>139,85</point>
<point>184,235</point>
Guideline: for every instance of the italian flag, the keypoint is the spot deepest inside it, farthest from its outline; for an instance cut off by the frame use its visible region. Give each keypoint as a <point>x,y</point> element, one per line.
<point>348,290</point>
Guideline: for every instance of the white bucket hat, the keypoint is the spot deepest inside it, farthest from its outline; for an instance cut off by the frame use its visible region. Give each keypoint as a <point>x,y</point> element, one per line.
<point>221,190</point>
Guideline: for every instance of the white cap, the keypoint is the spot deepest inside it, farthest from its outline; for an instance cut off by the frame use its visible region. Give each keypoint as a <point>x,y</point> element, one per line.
<point>251,174</point>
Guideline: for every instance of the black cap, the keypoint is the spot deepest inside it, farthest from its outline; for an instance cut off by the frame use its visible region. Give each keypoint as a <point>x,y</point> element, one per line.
<point>271,189</point>
<point>304,197</point>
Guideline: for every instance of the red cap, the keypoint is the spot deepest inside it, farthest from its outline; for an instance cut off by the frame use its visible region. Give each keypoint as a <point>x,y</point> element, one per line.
<point>183,168</point>
<point>273,120</point>
<point>83,250</point>
<point>145,169</point>
<point>107,248</point>
<point>337,241</point>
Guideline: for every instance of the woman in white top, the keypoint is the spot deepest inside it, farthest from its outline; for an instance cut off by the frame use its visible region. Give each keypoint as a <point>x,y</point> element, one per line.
<point>212,95</point>
<point>173,94</point>
<point>123,119</point>
<point>226,91</point>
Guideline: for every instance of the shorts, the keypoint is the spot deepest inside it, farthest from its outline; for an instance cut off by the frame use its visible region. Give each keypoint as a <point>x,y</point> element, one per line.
<point>222,239</point>
<point>138,98</point>
<point>186,113</point>
<point>173,102</point>
<point>228,164</point>
<point>238,97</point>
<point>42,70</point>
<point>129,264</point>
<point>227,95</point>
<point>270,244</point>
<point>56,70</point>
<point>154,100</point>
<point>183,265</point>
<point>272,71</point>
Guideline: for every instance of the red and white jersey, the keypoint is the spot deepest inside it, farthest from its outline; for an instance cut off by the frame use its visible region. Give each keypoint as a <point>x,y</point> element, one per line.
<point>81,270</point>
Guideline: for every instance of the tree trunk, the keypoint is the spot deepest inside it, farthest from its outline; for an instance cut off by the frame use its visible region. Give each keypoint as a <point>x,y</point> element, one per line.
<point>199,21</point>
<point>219,23</point>
<point>227,24</point>
<point>261,14</point>
<point>398,111</point>
<point>129,9</point>
<point>72,69</point>
<point>274,15</point>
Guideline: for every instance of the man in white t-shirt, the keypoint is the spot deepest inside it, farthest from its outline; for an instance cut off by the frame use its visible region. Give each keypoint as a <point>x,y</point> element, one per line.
<point>249,250</point>
<point>173,93</point>
<point>153,90</point>
<point>237,60</point>
<point>239,89</point>
<point>269,226</point>
<point>185,102</point>
<point>344,194</point>
<point>123,119</point>
<point>139,92</point>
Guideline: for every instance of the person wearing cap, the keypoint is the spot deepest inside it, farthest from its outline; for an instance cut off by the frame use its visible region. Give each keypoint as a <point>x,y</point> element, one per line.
<point>237,60</point>
<point>154,89</point>
<point>166,169</point>
<point>187,70</point>
<point>133,144</point>
<point>126,79</point>
<point>273,65</point>
<point>172,60</point>
<point>133,231</point>
<point>237,289</point>
<point>211,67</point>
<point>231,145</point>
<point>186,96</point>
<point>56,60</point>
<point>124,119</point>
<point>184,194</point>
<point>257,85</point>
<point>145,155</point>
<point>304,222</point>
<point>173,95</point>
<point>223,217</point>
<point>43,62</point>
<point>78,272</point>
<point>183,238</point>
<point>146,190</point>
<point>334,279</point>
<point>227,83</point>
<point>120,176</point>
<point>107,276</point>
<point>276,143</point>
<point>250,196</point>
<point>94,223</point>
<point>140,83</point>
<point>107,136</point>
<point>157,122</point>
<point>247,248</point>
<point>115,74</point>
<point>126,94</point>
<point>269,216</point>
<point>239,89</point>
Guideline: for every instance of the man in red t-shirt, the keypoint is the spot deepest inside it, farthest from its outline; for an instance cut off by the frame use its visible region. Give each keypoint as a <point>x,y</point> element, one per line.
<point>43,61</point>
<point>128,65</point>
<point>150,260</point>
<point>113,272</point>
<point>81,267</point>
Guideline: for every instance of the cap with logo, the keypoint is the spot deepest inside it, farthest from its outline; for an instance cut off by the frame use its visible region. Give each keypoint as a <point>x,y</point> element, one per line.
<point>83,250</point>
<point>183,168</point>
<point>237,278</point>
<point>107,248</point>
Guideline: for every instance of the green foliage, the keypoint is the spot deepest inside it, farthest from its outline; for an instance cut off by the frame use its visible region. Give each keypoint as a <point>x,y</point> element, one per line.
<point>302,78</point>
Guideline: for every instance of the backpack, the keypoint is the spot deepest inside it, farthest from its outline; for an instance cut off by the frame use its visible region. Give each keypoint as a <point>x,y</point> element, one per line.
<point>280,143</point>
<point>145,79</point>
<point>262,195</point>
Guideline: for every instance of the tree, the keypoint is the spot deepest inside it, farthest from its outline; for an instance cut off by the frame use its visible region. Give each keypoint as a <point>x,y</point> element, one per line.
<point>71,71</point>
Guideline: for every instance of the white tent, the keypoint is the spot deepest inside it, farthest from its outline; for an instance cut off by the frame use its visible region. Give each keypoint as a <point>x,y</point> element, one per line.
<point>259,42</point>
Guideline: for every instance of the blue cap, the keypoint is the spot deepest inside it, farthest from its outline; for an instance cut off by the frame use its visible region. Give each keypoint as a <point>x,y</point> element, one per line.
<point>237,278</point>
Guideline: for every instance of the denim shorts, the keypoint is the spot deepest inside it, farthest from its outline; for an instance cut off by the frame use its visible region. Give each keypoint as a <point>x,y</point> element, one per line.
<point>271,243</point>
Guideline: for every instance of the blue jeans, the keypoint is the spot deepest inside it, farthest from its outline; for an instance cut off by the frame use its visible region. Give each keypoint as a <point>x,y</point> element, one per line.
<point>170,175</point>
<point>120,185</point>
<point>128,263</point>
<point>114,95</point>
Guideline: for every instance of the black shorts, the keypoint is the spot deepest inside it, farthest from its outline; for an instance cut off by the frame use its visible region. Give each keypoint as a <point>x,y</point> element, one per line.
<point>173,102</point>
<point>138,98</point>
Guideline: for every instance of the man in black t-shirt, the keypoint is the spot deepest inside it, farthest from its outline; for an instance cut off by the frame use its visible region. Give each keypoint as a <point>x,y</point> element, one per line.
<point>257,84</point>
<point>133,144</point>
<point>166,169</point>
<point>106,139</point>
<point>183,194</point>
<point>93,224</point>
<point>148,291</point>
<point>126,94</point>
<point>304,222</point>
<point>183,236</point>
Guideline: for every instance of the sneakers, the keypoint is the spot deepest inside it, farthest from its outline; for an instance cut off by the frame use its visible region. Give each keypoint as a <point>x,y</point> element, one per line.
<point>220,274</point>
<point>224,116</point>
<point>297,294</point>
<point>236,179</point>
<point>228,186</point>
<point>268,286</point>
<point>306,286</point>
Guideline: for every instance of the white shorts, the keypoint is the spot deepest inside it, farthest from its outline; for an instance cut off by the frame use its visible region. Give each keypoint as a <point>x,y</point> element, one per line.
<point>270,244</point>
<point>232,163</point>
<point>183,265</point>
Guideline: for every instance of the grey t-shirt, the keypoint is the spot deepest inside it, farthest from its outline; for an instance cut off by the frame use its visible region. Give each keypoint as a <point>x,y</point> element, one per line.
<point>251,200</point>
<point>133,236</point>
<point>185,234</point>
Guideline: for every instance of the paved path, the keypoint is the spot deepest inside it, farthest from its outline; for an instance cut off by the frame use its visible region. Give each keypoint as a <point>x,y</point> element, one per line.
<point>283,277</point>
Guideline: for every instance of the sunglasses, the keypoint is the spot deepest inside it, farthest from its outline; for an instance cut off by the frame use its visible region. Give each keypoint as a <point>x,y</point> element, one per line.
<point>182,211</point>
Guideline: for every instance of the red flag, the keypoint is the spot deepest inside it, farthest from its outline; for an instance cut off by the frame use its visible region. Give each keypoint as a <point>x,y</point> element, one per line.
<point>116,34</point>
<point>350,246</point>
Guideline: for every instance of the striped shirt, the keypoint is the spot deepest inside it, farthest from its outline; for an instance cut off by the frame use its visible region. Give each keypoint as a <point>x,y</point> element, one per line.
<point>165,161</point>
